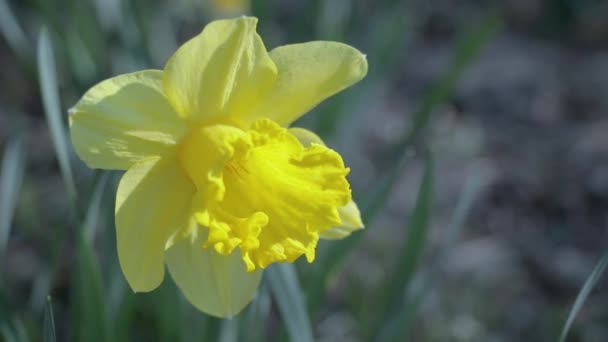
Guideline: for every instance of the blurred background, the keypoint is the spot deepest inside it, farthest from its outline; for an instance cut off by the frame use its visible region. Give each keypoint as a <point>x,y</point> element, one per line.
<point>479,158</point>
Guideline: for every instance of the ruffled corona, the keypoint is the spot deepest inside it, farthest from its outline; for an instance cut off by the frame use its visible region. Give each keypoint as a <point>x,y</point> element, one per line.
<point>261,190</point>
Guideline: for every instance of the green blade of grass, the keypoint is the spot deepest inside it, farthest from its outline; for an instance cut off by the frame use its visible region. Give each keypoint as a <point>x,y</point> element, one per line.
<point>52,109</point>
<point>258,311</point>
<point>229,330</point>
<point>285,288</point>
<point>11,176</point>
<point>49,334</point>
<point>400,323</point>
<point>464,204</point>
<point>393,297</point>
<point>91,319</point>
<point>583,294</point>
<point>469,47</point>
<point>6,333</point>
<point>13,330</point>
<point>12,31</point>
<point>93,211</point>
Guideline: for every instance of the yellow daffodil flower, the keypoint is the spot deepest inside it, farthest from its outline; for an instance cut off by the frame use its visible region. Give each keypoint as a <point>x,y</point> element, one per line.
<point>216,186</point>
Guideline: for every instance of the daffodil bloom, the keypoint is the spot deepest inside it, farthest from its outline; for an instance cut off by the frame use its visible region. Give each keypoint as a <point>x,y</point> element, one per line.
<point>217,187</point>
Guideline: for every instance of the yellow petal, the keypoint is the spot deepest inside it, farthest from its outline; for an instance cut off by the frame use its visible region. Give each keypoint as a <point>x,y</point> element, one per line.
<point>351,221</point>
<point>215,284</point>
<point>152,202</point>
<point>349,214</point>
<point>224,70</point>
<point>124,119</point>
<point>308,73</point>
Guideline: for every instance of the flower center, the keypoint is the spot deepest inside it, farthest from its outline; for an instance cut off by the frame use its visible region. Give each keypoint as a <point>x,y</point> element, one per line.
<point>261,190</point>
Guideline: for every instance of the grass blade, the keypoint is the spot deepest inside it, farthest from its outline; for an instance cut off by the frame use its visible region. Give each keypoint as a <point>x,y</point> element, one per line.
<point>13,330</point>
<point>52,109</point>
<point>11,176</point>
<point>12,32</point>
<point>229,330</point>
<point>92,323</point>
<point>91,319</point>
<point>49,322</point>
<point>590,283</point>
<point>93,212</point>
<point>393,297</point>
<point>464,204</point>
<point>285,288</point>
<point>403,320</point>
<point>468,48</point>
<point>258,311</point>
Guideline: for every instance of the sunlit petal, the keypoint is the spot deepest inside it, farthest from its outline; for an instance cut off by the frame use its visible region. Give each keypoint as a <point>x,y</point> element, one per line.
<point>308,73</point>
<point>123,120</point>
<point>223,71</point>
<point>152,203</point>
<point>216,284</point>
<point>351,221</point>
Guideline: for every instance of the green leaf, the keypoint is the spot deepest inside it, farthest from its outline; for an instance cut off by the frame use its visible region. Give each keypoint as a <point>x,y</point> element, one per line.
<point>593,278</point>
<point>93,211</point>
<point>393,297</point>
<point>49,322</point>
<point>229,330</point>
<point>52,109</point>
<point>91,319</point>
<point>14,332</point>
<point>400,322</point>
<point>285,289</point>
<point>464,204</point>
<point>12,32</point>
<point>468,48</point>
<point>258,311</point>
<point>11,176</point>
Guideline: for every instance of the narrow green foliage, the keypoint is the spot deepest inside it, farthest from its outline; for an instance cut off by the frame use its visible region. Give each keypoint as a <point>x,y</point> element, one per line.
<point>400,323</point>
<point>258,311</point>
<point>393,298</point>
<point>590,283</point>
<point>465,202</point>
<point>49,334</point>
<point>229,330</point>
<point>93,211</point>
<point>6,333</point>
<point>166,305</point>
<point>13,330</point>
<point>285,288</point>
<point>469,47</point>
<point>91,320</point>
<point>11,176</point>
<point>52,108</point>
<point>415,240</point>
<point>12,31</point>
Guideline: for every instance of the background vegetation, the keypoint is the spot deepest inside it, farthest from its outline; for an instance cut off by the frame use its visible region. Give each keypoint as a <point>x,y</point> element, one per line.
<point>478,151</point>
